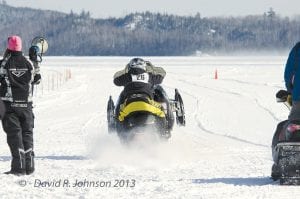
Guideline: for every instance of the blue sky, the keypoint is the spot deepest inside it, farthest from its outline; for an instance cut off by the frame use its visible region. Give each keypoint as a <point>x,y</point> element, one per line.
<point>117,8</point>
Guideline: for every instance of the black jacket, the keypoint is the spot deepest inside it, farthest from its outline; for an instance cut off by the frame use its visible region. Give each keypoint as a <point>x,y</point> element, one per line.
<point>139,83</point>
<point>16,78</point>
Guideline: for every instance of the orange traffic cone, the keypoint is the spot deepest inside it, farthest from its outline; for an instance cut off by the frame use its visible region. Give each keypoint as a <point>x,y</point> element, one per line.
<point>216,74</point>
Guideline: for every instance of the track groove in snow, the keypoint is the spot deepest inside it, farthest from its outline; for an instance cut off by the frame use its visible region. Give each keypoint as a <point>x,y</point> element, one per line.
<point>269,111</point>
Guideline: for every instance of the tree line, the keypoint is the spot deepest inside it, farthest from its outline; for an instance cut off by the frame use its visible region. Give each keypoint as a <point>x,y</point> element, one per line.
<point>149,34</point>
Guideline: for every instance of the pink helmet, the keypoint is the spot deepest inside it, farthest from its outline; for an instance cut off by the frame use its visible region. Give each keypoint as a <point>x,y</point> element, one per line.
<point>14,43</point>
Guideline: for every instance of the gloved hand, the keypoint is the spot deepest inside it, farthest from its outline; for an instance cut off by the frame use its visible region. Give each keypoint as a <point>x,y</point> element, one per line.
<point>37,79</point>
<point>33,53</point>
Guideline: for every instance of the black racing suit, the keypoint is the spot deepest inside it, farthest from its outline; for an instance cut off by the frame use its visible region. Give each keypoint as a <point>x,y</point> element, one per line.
<point>144,83</point>
<point>138,83</point>
<point>17,78</point>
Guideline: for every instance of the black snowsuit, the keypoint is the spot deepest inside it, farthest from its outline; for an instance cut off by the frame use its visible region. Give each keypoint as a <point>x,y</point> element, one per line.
<point>143,83</point>
<point>138,83</point>
<point>17,79</point>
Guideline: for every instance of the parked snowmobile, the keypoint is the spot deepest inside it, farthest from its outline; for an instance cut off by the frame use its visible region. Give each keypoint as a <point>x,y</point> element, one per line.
<point>155,115</point>
<point>286,148</point>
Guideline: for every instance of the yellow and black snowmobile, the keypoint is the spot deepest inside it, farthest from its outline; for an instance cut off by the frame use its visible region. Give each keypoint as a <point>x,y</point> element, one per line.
<point>141,114</point>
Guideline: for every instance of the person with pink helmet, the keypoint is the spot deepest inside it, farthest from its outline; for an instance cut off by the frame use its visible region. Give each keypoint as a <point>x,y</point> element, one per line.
<point>17,77</point>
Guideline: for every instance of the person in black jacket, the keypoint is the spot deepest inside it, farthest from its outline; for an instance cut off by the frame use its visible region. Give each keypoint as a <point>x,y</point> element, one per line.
<point>17,77</point>
<point>141,77</point>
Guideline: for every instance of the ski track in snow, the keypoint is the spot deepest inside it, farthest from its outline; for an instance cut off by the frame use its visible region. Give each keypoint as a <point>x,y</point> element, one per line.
<point>272,114</point>
<point>201,126</point>
<point>223,152</point>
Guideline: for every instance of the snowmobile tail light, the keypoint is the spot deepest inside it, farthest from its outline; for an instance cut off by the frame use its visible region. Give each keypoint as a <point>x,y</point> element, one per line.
<point>293,128</point>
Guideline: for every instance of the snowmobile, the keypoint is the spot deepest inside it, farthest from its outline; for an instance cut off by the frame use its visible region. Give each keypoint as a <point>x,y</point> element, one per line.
<point>155,116</point>
<point>286,148</point>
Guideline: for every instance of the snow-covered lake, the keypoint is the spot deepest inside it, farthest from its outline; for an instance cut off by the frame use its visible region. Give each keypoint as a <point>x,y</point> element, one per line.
<point>223,152</point>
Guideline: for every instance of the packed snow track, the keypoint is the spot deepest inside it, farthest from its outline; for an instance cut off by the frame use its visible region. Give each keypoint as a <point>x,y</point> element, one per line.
<point>223,152</point>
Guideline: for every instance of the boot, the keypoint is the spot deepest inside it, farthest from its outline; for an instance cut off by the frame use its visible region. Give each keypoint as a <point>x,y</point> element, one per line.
<point>29,161</point>
<point>18,164</point>
<point>15,172</point>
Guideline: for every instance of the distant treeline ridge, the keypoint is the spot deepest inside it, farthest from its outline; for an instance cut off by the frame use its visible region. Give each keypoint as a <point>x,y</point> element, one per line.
<point>149,34</point>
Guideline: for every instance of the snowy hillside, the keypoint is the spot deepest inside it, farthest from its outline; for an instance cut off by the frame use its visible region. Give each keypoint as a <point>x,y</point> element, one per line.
<point>223,152</point>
